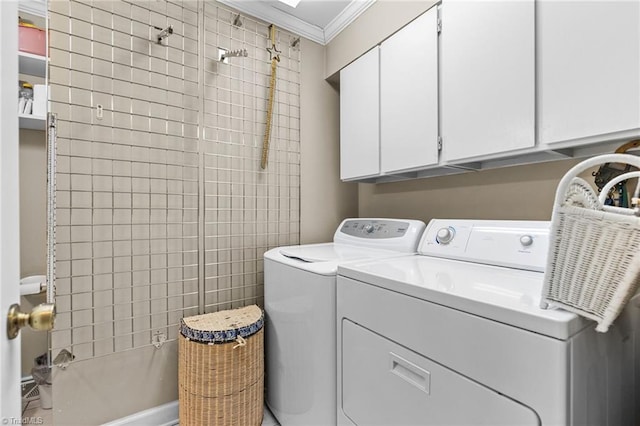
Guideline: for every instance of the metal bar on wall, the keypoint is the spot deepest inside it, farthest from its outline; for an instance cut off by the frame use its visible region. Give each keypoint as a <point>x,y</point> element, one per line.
<point>201,193</point>
<point>51,205</point>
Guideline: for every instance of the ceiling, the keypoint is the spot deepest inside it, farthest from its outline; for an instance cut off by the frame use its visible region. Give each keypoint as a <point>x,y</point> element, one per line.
<point>315,12</point>
<point>317,20</point>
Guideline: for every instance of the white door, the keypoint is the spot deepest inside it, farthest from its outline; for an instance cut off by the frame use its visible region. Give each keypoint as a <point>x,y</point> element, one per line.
<point>409,96</point>
<point>487,87</point>
<point>360,117</point>
<point>9,225</point>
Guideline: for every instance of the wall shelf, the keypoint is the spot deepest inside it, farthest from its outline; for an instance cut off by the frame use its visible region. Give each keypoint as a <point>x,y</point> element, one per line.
<point>32,64</point>
<point>32,122</point>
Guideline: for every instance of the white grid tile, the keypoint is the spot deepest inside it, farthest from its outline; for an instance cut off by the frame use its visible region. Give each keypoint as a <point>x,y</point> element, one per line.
<point>171,169</point>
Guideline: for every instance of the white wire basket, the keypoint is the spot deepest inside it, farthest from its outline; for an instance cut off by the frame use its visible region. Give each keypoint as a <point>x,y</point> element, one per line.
<point>593,266</point>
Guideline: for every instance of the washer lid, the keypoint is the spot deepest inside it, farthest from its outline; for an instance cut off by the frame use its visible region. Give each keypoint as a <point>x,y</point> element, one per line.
<point>506,295</point>
<point>324,258</point>
<point>330,252</point>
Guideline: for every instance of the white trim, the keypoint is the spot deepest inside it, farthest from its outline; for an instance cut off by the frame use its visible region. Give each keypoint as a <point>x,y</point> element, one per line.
<point>347,16</point>
<point>162,415</point>
<point>296,25</point>
<point>168,415</point>
<point>34,7</point>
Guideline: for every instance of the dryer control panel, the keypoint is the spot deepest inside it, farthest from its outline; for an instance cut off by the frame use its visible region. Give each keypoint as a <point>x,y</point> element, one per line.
<point>401,235</point>
<point>514,244</point>
<point>368,228</point>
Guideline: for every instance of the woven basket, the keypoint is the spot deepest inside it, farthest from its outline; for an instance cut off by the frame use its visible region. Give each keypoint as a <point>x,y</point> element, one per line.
<point>221,368</point>
<point>593,267</point>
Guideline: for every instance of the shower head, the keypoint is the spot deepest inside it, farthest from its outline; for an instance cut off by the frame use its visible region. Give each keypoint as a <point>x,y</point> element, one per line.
<point>224,55</point>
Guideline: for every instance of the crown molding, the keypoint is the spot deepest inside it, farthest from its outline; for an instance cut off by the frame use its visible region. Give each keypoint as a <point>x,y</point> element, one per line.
<point>278,18</point>
<point>34,7</point>
<point>298,26</point>
<point>347,16</point>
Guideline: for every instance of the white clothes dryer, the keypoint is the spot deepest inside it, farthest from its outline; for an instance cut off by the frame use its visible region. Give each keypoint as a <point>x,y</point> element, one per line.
<point>454,336</point>
<point>300,308</point>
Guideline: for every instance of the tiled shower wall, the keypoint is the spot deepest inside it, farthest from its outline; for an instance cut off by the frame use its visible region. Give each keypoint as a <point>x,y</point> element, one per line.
<point>246,211</point>
<point>162,208</point>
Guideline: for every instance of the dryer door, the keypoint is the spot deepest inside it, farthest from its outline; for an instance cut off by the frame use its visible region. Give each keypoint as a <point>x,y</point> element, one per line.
<point>384,383</point>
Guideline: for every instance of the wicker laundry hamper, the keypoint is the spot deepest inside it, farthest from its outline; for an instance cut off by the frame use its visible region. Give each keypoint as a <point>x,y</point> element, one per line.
<point>593,267</point>
<point>221,368</point>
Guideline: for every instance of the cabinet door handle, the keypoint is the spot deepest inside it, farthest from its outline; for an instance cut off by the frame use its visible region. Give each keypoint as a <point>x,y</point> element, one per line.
<point>410,373</point>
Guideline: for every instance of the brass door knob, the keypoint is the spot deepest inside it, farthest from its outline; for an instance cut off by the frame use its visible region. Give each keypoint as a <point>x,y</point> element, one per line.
<point>41,318</point>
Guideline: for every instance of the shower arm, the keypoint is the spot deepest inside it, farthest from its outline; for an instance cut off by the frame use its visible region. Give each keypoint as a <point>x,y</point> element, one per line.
<point>223,54</point>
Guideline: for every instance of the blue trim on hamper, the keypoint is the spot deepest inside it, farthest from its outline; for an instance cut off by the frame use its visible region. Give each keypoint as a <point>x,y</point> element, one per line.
<point>225,336</point>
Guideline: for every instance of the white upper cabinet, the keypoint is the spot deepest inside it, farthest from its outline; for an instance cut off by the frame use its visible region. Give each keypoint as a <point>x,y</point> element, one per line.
<point>409,96</point>
<point>487,77</point>
<point>360,117</point>
<point>588,69</point>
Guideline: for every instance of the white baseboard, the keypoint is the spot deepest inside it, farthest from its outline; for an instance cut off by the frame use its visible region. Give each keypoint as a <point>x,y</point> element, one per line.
<point>162,415</point>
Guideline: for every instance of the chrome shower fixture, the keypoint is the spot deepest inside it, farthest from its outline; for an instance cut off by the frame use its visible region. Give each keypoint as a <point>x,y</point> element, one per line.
<point>164,34</point>
<point>224,55</point>
<point>237,21</point>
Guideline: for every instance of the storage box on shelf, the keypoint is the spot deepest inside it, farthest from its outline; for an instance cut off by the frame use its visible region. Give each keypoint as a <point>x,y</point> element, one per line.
<point>31,39</point>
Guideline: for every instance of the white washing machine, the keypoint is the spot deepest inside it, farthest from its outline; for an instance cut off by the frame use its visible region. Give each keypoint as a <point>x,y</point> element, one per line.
<point>454,336</point>
<point>300,307</point>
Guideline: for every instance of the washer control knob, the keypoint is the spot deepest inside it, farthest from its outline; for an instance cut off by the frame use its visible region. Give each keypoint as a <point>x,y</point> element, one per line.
<point>526,240</point>
<point>445,235</point>
<point>369,228</point>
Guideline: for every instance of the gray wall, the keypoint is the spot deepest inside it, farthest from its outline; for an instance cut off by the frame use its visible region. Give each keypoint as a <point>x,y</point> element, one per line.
<point>520,192</point>
<point>33,231</point>
<point>33,203</point>
<point>325,200</point>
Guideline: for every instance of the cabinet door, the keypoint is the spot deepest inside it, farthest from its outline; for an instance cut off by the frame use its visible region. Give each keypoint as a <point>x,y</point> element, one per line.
<point>360,117</point>
<point>487,77</point>
<point>589,68</point>
<point>409,96</point>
